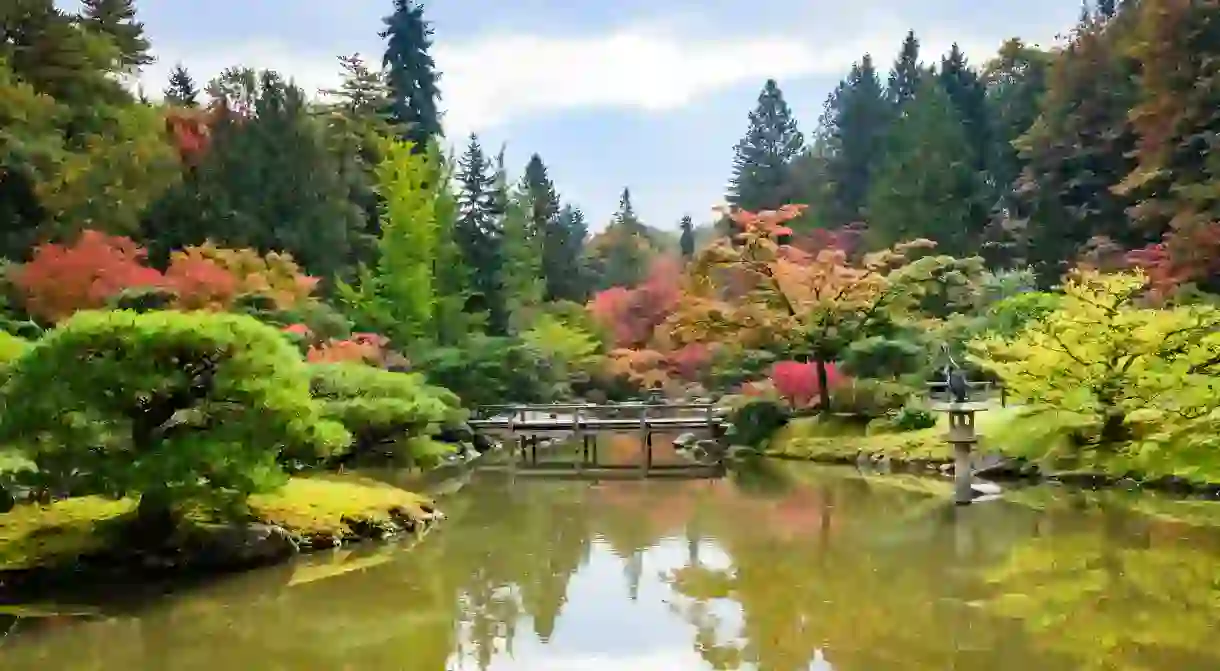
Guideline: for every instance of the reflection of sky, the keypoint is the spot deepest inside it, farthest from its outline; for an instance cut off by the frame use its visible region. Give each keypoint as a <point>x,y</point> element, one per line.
<point>601,629</point>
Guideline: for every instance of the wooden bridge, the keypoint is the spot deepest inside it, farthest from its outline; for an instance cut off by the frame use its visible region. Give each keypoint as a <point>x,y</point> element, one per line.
<point>524,427</point>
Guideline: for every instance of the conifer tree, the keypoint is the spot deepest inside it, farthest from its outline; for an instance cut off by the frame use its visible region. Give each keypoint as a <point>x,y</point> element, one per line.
<point>413,79</point>
<point>117,20</point>
<point>906,73</point>
<point>563,256</point>
<point>686,242</point>
<point>625,215</point>
<point>925,187</point>
<point>181,90</point>
<point>478,236</point>
<point>761,158</point>
<point>854,128</point>
<point>966,90</point>
<point>522,254</point>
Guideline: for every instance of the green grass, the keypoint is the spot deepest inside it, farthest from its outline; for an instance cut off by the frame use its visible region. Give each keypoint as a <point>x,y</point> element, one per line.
<point>816,439</point>
<point>33,535</point>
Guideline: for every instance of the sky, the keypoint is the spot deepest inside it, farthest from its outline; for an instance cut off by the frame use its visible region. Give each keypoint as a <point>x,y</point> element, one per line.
<point>631,93</point>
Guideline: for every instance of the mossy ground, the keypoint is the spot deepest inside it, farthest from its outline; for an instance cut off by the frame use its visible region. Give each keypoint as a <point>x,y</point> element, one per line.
<point>832,440</point>
<point>33,535</point>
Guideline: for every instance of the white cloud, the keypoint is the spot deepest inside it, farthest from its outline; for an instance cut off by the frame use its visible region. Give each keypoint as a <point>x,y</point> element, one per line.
<point>503,77</point>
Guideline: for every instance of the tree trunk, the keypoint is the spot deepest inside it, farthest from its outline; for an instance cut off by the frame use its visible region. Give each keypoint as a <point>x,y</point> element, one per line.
<point>823,386</point>
<point>1113,428</point>
<point>156,519</point>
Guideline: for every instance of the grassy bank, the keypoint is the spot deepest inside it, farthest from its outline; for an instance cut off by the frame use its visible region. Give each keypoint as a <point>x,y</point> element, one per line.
<point>834,441</point>
<point>314,511</point>
<point>1005,432</point>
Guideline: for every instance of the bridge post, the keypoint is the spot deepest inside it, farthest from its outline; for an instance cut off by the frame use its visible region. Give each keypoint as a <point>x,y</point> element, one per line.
<point>645,442</point>
<point>578,432</point>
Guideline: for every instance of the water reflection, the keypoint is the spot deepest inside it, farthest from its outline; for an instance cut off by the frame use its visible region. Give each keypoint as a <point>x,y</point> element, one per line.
<point>780,569</point>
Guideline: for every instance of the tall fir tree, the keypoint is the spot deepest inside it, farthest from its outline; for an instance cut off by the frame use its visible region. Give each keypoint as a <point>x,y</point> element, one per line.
<point>117,20</point>
<point>1081,140</point>
<point>539,190</point>
<point>181,90</point>
<point>1015,81</point>
<point>686,241</point>
<point>522,253</point>
<point>625,215</point>
<point>563,256</point>
<point>906,73</point>
<point>356,120</point>
<point>762,158</point>
<point>413,78</point>
<point>478,236</point>
<point>969,96</point>
<point>854,128</point>
<point>925,187</point>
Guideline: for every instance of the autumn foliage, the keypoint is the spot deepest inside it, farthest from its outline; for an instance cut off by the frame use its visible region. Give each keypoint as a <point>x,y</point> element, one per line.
<point>60,280</point>
<point>797,382</point>
<point>632,315</point>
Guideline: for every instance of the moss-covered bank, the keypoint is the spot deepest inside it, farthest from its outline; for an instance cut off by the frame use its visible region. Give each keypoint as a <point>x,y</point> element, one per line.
<point>85,535</point>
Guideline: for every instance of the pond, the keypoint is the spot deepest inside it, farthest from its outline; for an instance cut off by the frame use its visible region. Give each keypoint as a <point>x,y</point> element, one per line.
<point>779,568</point>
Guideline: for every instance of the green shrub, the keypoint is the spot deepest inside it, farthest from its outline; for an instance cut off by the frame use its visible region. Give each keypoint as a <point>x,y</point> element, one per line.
<point>323,321</point>
<point>732,368</point>
<point>880,357</point>
<point>144,299</point>
<point>869,398</point>
<point>384,409</point>
<point>913,418</point>
<point>174,407</point>
<point>490,371</point>
<point>756,421</point>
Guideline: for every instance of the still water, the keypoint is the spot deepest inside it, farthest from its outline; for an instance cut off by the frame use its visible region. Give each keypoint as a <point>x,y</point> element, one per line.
<point>782,569</point>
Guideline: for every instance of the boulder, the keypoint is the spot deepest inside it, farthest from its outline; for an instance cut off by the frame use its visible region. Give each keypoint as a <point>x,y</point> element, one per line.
<point>240,546</point>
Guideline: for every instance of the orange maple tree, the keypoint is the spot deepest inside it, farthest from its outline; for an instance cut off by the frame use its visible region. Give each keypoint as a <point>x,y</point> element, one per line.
<point>210,277</point>
<point>756,291</point>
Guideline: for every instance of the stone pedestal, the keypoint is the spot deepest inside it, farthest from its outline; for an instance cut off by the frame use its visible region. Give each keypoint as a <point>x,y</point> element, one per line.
<point>963,438</point>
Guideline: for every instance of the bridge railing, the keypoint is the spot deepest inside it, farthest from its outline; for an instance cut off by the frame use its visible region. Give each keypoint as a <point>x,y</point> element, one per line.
<point>591,410</point>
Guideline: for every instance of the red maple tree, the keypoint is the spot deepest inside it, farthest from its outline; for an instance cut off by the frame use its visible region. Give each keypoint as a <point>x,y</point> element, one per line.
<point>62,279</point>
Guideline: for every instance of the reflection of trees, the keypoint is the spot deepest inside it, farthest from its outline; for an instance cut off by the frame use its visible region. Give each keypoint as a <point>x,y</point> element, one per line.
<point>1115,594</point>
<point>877,573</point>
<point>823,565</point>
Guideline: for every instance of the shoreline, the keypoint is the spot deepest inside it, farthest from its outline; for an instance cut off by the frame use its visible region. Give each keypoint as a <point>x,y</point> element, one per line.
<point>207,550</point>
<point>1016,470</point>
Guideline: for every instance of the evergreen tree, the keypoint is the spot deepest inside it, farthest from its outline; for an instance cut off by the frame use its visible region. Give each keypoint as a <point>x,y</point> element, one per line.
<point>966,90</point>
<point>625,215</point>
<point>522,249</point>
<point>478,236</point>
<point>267,181</point>
<point>1106,9</point>
<point>413,79</point>
<point>762,157</point>
<point>1081,141</point>
<point>925,187</point>
<point>356,120</point>
<point>562,257</point>
<point>686,241</point>
<point>855,124</point>
<point>1015,83</point>
<point>906,73</point>
<point>117,20</point>
<point>181,90</point>
<point>539,191</point>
